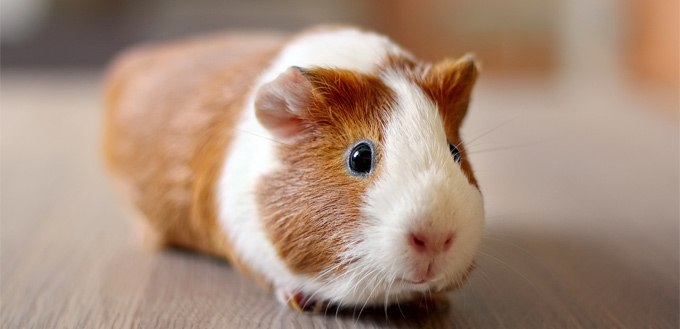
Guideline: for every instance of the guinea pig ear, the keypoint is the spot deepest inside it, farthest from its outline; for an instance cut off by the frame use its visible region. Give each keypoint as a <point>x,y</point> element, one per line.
<point>450,83</point>
<point>281,104</point>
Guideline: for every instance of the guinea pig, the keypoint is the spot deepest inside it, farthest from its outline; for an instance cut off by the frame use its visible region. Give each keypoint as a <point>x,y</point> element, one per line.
<point>328,166</point>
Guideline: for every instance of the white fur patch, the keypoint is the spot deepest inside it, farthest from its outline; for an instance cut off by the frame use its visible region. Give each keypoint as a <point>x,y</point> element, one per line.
<point>349,49</point>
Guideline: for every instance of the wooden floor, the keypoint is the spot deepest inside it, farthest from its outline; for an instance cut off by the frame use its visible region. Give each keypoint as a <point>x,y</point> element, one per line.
<point>581,187</point>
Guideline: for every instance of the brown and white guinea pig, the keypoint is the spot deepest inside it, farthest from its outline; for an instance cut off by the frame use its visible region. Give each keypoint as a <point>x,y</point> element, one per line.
<point>328,166</point>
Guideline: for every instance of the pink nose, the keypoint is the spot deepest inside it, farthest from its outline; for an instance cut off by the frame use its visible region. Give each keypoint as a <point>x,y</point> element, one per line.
<point>431,242</point>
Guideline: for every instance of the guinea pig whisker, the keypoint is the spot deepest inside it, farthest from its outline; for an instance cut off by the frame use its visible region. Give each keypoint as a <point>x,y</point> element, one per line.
<point>326,283</point>
<point>488,131</point>
<point>515,146</point>
<point>367,299</point>
<point>340,300</point>
<point>337,277</point>
<point>399,307</point>
<point>511,268</point>
<point>342,275</point>
<point>474,292</point>
<point>471,147</point>
<point>320,276</point>
<point>362,276</point>
<point>347,292</point>
<point>337,306</point>
<point>360,273</point>
<point>460,143</point>
<point>487,281</point>
<point>516,246</point>
<point>429,297</point>
<point>263,137</point>
<point>391,280</point>
<point>387,294</point>
<point>486,278</point>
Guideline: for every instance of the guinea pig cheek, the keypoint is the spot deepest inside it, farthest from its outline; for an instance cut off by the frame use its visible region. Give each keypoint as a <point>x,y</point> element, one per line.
<point>311,206</point>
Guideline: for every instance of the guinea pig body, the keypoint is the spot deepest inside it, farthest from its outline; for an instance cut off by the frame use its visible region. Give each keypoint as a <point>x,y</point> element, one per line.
<point>329,167</point>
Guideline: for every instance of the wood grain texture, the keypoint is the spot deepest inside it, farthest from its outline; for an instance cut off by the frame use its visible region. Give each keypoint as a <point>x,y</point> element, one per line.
<point>581,191</point>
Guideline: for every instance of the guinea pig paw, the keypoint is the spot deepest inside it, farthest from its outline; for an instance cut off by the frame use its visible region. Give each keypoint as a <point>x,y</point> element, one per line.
<point>300,302</point>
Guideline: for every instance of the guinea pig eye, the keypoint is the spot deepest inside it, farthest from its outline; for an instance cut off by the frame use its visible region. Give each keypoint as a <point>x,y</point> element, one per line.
<point>455,152</point>
<point>360,159</point>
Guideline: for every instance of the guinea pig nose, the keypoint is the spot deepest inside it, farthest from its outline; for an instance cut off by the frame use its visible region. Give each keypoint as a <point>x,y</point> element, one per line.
<point>431,242</point>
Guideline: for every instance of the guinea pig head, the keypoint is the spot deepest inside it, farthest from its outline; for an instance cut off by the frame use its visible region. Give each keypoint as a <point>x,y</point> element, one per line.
<point>374,198</point>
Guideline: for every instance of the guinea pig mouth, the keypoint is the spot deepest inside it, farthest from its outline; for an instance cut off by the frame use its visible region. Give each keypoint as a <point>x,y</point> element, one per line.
<point>405,285</point>
<point>406,281</point>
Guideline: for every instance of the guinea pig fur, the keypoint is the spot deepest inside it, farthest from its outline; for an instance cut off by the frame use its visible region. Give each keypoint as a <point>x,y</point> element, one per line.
<point>328,166</point>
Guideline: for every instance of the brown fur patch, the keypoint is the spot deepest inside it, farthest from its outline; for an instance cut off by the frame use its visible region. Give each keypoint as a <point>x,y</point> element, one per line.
<point>170,115</point>
<point>310,207</point>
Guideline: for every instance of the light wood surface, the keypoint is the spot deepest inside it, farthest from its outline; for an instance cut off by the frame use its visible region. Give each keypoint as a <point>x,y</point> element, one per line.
<point>581,188</point>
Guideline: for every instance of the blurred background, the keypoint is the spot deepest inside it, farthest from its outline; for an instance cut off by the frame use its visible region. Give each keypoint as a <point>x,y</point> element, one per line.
<point>553,38</point>
<point>573,133</point>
